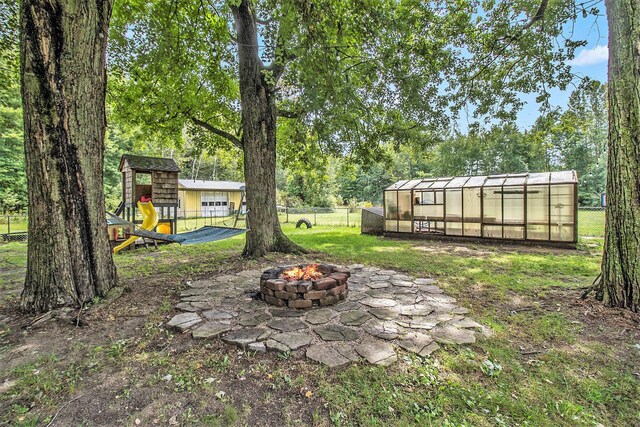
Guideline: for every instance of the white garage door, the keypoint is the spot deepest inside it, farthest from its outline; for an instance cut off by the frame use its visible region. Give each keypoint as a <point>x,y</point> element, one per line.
<point>215,204</point>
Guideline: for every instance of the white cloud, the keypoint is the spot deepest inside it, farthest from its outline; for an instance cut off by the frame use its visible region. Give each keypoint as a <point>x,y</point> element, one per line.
<point>590,56</point>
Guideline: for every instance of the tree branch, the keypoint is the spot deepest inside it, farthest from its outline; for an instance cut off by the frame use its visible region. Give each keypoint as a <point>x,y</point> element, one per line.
<point>538,16</point>
<point>234,139</point>
<point>277,69</point>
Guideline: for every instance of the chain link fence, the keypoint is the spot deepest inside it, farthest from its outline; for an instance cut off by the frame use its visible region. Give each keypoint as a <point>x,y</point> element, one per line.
<point>13,227</point>
<point>336,217</point>
<point>192,220</point>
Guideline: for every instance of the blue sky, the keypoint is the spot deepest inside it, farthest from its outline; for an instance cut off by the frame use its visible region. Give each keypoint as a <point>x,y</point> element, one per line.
<point>590,61</point>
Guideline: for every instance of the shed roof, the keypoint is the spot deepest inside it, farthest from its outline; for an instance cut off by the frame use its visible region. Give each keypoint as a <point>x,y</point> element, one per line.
<point>199,184</point>
<point>375,210</point>
<point>148,164</point>
<point>560,177</point>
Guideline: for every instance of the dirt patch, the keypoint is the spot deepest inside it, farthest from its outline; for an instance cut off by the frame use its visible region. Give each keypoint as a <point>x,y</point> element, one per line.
<point>612,327</point>
<point>463,251</point>
<point>110,372</point>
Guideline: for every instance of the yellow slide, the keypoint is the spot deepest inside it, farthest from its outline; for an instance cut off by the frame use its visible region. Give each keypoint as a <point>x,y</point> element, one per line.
<point>149,222</point>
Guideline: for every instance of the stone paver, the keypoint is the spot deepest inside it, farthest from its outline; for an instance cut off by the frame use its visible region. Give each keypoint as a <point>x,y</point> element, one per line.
<point>384,313</point>
<point>354,318</point>
<point>430,289</point>
<point>416,310</point>
<point>218,314</point>
<point>253,319</point>
<point>380,293</point>
<point>347,306</point>
<point>184,321</point>
<point>287,313</point>
<point>466,323</point>
<point>387,272</point>
<point>378,285</point>
<point>377,352</point>
<point>210,330</point>
<point>384,309</point>
<point>336,333</point>
<point>257,346</point>
<point>243,337</point>
<point>327,356</point>
<point>276,346</point>
<point>419,343</point>
<point>408,299</point>
<point>453,335</point>
<point>402,283</point>
<point>379,302</point>
<point>320,317</point>
<point>347,350</point>
<point>294,340</point>
<point>193,291</point>
<point>187,306</point>
<point>384,330</point>
<point>418,324</point>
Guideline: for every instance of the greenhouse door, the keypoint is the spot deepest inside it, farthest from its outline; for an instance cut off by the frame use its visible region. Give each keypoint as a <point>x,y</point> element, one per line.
<point>215,204</point>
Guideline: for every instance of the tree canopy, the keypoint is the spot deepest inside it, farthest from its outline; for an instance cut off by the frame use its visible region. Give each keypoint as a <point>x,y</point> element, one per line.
<point>349,75</point>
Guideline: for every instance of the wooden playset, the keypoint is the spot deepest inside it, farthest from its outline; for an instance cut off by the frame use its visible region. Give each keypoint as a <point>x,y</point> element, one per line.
<point>146,179</point>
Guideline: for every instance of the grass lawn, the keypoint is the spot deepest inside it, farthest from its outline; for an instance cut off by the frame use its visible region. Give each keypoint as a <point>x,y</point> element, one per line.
<point>591,223</point>
<point>563,361</point>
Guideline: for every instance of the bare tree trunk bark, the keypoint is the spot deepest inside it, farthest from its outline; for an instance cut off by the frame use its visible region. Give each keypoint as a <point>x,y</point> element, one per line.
<point>62,46</point>
<point>259,115</point>
<point>620,283</point>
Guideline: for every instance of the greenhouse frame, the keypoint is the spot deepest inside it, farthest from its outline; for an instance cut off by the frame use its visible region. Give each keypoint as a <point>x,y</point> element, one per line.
<point>540,208</point>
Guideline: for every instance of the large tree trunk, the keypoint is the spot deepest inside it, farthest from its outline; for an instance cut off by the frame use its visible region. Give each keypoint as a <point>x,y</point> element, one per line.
<point>62,49</point>
<point>620,283</point>
<point>259,115</point>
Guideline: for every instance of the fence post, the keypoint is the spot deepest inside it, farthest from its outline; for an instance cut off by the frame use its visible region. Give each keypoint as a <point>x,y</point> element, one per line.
<point>348,209</point>
<point>315,216</point>
<point>8,224</point>
<point>286,209</point>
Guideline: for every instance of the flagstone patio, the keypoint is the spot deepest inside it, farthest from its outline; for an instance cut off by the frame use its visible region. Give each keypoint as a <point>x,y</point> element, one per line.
<point>385,310</point>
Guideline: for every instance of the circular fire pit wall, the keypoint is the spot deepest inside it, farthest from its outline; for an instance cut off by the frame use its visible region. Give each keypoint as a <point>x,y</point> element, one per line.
<point>304,286</point>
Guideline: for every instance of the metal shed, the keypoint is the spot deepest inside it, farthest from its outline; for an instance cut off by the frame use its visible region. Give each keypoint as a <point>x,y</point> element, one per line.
<point>372,221</point>
<point>525,207</point>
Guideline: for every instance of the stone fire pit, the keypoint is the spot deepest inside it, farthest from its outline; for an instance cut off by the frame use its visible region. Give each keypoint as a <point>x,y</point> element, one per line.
<point>304,285</point>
